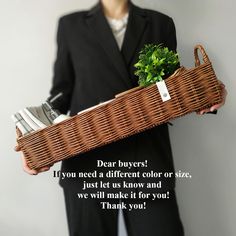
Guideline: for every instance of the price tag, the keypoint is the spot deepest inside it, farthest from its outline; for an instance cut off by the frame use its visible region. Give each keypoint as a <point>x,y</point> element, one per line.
<point>163,91</point>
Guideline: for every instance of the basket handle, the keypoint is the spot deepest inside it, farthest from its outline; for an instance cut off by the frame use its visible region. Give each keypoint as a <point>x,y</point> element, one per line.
<point>204,55</point>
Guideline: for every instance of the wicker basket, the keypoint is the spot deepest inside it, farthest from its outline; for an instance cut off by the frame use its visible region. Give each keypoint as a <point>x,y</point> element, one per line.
<point>129,113</point>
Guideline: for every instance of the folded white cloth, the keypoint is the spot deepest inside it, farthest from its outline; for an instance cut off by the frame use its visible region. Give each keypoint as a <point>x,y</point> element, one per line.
<point>31,119</point>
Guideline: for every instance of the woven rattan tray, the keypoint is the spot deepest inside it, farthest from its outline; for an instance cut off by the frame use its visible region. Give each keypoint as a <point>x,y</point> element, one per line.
<point>132,112</point>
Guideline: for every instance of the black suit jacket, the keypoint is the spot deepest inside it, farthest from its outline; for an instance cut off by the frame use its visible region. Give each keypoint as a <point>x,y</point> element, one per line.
<point>90,69</point>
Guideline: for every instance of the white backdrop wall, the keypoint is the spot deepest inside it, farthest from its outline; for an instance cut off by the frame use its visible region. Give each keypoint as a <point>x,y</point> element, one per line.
<point>202,145</point>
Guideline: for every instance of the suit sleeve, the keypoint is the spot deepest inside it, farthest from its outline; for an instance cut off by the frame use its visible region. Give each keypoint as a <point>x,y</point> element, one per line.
<point>63,73</point>
<point>171,40</point>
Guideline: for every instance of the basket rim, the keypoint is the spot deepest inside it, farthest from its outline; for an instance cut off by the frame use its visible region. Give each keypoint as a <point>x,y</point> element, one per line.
<point>132,93</point>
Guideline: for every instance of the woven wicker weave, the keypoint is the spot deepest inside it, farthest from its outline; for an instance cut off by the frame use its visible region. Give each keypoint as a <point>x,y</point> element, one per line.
<point>132,112</point>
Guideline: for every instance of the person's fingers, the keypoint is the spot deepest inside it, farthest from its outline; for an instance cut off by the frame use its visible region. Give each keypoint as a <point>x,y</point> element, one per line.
<point>43,169</point>
<point>17,148</point>
<point>216,106</point>
<point>27,169</point>
<point>203,111</point>
<point>34,172</point>
<point>224,94</point>
<point>224,91</point>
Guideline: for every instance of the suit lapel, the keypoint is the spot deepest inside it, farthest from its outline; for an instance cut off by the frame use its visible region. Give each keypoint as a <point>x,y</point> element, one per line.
<point>135,29</point>
<point>136,26</point>
<point>102,32</point>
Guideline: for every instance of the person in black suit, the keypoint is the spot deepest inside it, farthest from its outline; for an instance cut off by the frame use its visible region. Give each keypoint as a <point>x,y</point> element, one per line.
<point>95,61</point>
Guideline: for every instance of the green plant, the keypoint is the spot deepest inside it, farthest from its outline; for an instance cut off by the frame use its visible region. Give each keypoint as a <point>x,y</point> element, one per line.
<point>155,63</point>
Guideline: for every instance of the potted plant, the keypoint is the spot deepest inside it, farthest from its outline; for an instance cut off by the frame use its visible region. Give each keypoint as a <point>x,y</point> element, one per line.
<point>155,64</point>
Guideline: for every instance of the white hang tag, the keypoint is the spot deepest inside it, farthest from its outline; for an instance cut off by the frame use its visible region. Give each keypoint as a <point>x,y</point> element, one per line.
<point>163,91</point>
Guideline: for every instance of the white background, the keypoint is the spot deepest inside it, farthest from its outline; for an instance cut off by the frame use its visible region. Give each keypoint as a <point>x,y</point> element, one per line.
<point>204,146</point>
